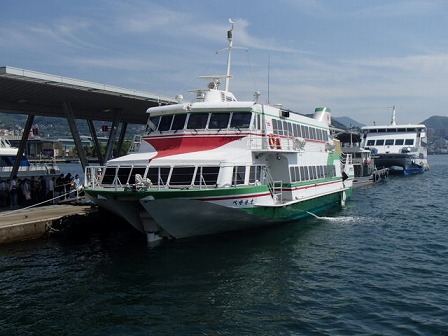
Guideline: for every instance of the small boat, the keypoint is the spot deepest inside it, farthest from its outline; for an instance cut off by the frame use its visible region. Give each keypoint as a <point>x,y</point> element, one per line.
<point>218,164</point>
<point>366,172</point>
<point>401,148</point>
<point>8,157</point>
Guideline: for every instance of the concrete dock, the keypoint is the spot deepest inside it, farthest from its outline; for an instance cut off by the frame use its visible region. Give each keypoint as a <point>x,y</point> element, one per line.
<point>32,223</point>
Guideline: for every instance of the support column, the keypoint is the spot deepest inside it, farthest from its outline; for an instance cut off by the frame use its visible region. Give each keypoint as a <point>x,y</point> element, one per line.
<point>23,141</point>
<point>112,134</point>
<point>96,143</point>
<point>124,126</point>
<point>75,134</point>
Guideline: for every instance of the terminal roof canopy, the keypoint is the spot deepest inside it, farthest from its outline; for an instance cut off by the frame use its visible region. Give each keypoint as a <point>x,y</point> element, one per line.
<point>29,92</point>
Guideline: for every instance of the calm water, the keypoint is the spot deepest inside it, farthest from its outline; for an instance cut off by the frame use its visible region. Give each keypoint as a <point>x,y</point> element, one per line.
<point>378,267</point>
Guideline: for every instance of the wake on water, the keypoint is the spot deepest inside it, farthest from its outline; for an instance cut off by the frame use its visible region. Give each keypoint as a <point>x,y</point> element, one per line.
<point>345,219</point>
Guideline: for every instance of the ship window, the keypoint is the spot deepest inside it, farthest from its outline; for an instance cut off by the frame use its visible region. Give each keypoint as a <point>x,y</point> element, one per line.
<point>409,142</point>
<point>239,173</point>
<point>297,169</point>
<point>241,119</point>
<point>389,142</point>
<point>306,132</point>
<point>370,142</point>
<point>290,131</point>
<point>292,172</point>
<point>399,142</point>
<point>158,175</point>
<point>165,123</point>
<point>380,142</point>
<point>313,132</point>
<point>219,120</point>
<point>302,173</point>
<point>313,172</point>
<point>181,176</point>
<point>255,174</point>
<point>320,172</point>
<point>123,175</point>
<point>206,176</point>
<point>109,175</point>
<point>275,125</point>
<point>197,120</point>
<point>152,124</point>
<point>295,130</point>
<point>179,122</point>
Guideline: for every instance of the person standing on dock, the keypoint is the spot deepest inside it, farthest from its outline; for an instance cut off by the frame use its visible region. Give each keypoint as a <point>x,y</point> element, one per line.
<point>59,188</point>
<point>51,188</point>
<point>67,184</point>
<point>4,193</point>
<point>26,189</point>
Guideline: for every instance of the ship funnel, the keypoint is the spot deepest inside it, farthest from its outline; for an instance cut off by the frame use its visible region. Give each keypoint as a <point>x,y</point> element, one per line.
<point>323,114</point>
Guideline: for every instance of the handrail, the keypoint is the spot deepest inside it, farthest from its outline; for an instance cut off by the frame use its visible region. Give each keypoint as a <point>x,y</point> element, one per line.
<point>273,188</point>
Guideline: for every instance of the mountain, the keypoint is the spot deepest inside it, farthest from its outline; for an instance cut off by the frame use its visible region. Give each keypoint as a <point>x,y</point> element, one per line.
<point>436,122</point>
<point>348,122</point>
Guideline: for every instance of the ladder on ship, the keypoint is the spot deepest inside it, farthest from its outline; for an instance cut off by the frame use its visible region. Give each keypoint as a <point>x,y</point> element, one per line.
<point>275,188</point>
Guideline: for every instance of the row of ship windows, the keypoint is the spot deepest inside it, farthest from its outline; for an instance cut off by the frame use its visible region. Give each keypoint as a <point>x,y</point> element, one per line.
<point>196,121</point>
<point>395,130</point>
<point>225,120</point>
<point>390,142</point>
<point>284,127</point>
<point>306,173</point>
<point>208,176</point>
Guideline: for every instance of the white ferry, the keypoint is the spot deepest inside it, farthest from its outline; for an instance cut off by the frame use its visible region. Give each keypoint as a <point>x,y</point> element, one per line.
<point>401,148</point>
<point>218,164</point>
<point>8,157</point>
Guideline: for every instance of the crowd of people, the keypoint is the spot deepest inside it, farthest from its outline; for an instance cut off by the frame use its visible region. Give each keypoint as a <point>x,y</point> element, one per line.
<point>23,192</point>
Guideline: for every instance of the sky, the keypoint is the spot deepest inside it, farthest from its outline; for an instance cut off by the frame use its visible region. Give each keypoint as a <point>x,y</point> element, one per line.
<point>358,57</point>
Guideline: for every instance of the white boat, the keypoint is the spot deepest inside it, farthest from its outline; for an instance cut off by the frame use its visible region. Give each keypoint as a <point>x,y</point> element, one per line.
<point>366,172</point>
<point>218,164</point>
<point>8,156</point>
<point>401,148</point>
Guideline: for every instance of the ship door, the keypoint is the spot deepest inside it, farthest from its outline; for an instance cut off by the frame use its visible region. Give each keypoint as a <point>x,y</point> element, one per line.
<point>278,169</point>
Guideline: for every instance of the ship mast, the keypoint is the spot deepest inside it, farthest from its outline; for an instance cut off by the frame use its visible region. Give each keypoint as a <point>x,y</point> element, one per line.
<point>393,121</point>
<point>229,56</point>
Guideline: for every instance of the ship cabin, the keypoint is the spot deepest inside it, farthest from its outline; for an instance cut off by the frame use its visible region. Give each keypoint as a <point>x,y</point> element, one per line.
<point>237,137</point>
<point>394,139</point>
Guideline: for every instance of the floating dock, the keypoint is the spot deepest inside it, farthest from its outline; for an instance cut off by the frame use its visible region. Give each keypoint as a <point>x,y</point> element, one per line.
<point>377,176</point>
<point>33,223</point>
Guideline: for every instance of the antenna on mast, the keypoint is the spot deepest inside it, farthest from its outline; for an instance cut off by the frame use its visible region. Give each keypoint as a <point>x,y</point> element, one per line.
<point>229,56</point>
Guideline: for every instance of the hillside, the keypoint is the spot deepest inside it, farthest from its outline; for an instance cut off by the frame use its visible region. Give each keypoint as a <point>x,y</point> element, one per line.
<point>56,127</point>
<point>348,122</point>
<point>436,122</point>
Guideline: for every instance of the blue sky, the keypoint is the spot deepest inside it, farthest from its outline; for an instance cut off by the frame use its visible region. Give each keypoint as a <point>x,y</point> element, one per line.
<point>358,57</point>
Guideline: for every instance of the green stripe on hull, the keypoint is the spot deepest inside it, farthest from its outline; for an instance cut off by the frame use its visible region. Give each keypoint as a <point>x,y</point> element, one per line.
<point>297,210</point>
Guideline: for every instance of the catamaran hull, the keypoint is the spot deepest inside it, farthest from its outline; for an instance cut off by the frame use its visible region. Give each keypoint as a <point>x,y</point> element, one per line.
<point>183,218</point>
<point>401,164</point>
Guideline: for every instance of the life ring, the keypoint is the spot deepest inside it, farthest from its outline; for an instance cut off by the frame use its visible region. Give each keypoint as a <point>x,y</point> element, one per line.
<point>274,141</point>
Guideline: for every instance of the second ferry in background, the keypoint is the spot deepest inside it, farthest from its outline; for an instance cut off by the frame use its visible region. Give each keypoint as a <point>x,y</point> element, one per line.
<point>401,148</point>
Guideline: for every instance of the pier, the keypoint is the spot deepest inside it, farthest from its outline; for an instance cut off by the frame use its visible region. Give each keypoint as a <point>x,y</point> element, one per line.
<point>33,223</point>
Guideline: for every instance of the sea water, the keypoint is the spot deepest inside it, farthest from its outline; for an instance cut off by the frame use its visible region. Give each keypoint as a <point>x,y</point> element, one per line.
<point>376,267</point>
